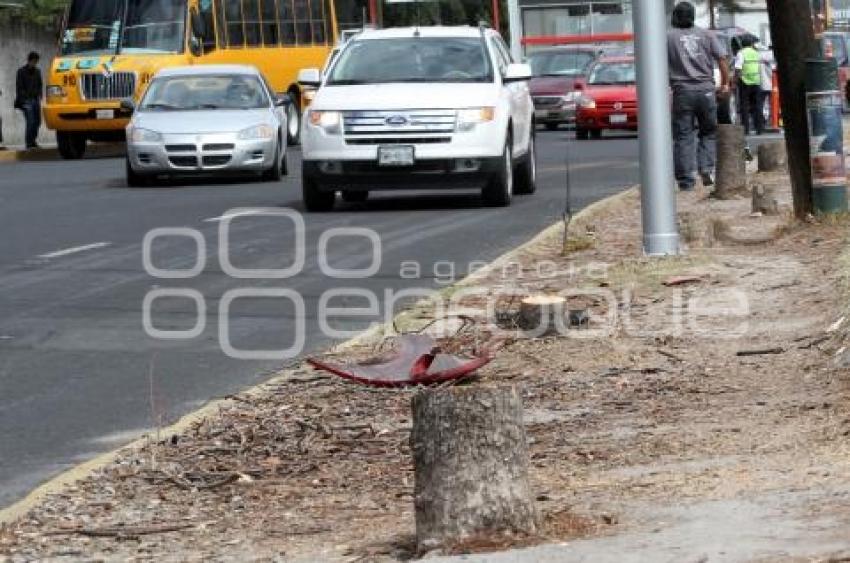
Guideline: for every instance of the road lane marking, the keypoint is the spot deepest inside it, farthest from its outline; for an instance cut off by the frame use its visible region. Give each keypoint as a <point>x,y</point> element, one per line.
<point>227,216</point>
<point>74,250</point>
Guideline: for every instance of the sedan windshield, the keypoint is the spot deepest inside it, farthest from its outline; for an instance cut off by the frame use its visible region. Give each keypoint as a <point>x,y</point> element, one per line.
<point>186,93</point>
<point>560,63</point>
<point>612,73</point>
<point>414,59</point>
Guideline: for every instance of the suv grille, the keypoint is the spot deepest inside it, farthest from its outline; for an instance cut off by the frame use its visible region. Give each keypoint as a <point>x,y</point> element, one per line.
<point>547,101</point>
<point>404,126</point>
<point>116,86</point>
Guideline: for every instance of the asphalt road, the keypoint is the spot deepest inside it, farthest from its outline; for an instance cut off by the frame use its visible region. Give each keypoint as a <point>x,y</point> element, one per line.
<point>78,373</point>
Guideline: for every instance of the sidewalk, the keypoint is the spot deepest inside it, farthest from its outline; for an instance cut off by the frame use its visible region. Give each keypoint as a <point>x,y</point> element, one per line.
<point>703,416</point>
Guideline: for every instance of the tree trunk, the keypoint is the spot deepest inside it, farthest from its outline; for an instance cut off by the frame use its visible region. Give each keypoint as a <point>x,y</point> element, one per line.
<point>773,157</point>
<point>542,315</point>
<point>793,41</point>
<point>764,199</point>
<point>731,168</point>
<point>471,465</point>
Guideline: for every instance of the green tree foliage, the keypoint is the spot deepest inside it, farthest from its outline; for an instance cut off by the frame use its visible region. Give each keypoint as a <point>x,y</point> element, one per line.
<point>43,13</point>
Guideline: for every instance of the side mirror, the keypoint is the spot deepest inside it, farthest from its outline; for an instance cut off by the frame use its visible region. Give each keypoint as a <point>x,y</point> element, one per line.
<point>282,100</point>
<point>517,72</point>
<point>310,77</point>
<point>127,104</point>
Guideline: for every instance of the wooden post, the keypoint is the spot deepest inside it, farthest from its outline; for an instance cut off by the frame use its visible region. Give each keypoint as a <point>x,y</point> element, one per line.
<point>772,157</point>
<point>471,465</point>
<point>793,41</point>
<point>731,168</point>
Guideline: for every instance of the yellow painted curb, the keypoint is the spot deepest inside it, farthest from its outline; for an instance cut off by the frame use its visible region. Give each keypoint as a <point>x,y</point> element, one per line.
<point>20,508</point>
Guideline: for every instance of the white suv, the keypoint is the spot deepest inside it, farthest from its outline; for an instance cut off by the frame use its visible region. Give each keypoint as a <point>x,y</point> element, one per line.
<point>419,108</point>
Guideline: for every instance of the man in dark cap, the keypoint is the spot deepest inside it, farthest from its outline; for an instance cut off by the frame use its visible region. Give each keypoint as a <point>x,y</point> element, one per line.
<point>692,54</point>
<point>29,90</point>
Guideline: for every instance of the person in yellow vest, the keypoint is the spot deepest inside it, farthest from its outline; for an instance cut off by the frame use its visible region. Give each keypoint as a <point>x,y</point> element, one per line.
<point>748,67</point>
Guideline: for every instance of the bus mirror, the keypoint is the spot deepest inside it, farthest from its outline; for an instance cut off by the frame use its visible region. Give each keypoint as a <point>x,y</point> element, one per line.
<point>310,77</point>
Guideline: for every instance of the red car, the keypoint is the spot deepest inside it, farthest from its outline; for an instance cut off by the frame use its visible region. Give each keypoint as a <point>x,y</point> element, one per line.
<point>558,74</point>
<point>609,98</point>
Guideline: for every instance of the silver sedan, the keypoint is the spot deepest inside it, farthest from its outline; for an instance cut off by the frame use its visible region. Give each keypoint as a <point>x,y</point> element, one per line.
<point>207,119</point>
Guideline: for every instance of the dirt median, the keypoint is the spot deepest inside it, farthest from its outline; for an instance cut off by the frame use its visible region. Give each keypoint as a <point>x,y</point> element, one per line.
<point>704,386</point>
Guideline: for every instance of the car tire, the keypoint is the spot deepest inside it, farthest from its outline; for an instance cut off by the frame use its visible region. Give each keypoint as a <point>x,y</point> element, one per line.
<point>499,190</point>
<point>275,173</point>
<point>72,146</point>
<point>582,134</point>
<point>315,200</point>
<point>596,134</point>
<point>134,179</point>
<point>526,174</point>
<point>552,126</point>
<point>293,120</point>
<point>355,197</point>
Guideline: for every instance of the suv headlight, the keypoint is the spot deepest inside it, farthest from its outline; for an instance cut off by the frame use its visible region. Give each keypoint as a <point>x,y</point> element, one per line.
<point>467,119</point>
<point>257,133</point>
<point>140,135</point>
<point>55,92</point>
<point>572,97</point>
<point>329,121</point>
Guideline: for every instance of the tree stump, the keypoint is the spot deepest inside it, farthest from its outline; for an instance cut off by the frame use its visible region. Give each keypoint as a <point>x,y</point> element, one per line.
<point>542,315</point>
<point>764,199</point>
<point>471,465</point>
<point>731,168</point>
<point>697,229</point>
<point>773,157</point>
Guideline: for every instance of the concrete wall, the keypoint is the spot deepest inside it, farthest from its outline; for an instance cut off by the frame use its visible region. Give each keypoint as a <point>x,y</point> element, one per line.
<point>16,40</point>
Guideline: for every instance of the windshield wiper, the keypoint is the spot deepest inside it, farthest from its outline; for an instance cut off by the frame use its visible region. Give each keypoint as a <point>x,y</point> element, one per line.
<point>348,83</point>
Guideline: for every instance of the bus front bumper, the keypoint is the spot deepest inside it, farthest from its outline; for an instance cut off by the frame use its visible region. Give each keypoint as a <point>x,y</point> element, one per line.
<point>103,116</point>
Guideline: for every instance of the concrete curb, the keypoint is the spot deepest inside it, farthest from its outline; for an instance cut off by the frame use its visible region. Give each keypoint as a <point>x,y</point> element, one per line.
<point>48,154</point>
<point>20,508</point>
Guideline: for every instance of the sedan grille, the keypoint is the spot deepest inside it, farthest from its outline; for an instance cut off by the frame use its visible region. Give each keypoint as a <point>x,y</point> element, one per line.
<point>411,126</point>
<point>617,106</point>
<point>115,86</point>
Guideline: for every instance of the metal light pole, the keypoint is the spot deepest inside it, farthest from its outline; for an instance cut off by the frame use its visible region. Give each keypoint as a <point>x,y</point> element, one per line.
<point>658,200</point>
<point>515,29</point>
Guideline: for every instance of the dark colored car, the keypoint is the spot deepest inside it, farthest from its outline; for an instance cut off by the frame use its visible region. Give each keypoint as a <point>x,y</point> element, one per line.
<point>609,99</point>
<point>558,75</point>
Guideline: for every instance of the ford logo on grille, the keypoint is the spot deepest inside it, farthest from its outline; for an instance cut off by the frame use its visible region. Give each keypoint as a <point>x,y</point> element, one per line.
<point>397,120</point>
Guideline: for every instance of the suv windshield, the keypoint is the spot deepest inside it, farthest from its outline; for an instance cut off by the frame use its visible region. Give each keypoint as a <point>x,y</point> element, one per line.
<point>560,63</point>
<point>186,93</point>
<point>612,73</point>
<point>100,27</point>
<point>414,59</point>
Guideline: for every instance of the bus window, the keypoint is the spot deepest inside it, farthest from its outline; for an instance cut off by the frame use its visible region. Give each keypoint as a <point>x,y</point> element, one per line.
<point>209,23</point>
<point>317,14</point>
<point>287,22</point>
<point>303,29</point>
<point>251,13</point>
<point>220,24</point>
<point>270,26</point>
<point>235,31</point>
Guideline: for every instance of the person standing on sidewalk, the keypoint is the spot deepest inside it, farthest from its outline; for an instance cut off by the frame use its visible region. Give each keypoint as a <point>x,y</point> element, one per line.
<point>692,53</point>
<point>748,67</point>
<point>28,93</point>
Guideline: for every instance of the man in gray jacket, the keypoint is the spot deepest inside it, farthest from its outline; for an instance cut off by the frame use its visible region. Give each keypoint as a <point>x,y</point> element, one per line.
<point>692,53</point>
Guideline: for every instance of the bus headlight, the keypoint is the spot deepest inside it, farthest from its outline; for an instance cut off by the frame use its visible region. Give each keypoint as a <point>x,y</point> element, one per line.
<point>55,92</point>
<point>467,119</point>
<point>140,135</point>
<point>327,120</point>
<point>257,133</point>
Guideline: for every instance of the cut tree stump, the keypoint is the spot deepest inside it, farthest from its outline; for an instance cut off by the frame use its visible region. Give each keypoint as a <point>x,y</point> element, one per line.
<point>764,199</point>
<point>542,315</point>
<point>731,168</point>
<point>772,157</point>
<point>471,465</point>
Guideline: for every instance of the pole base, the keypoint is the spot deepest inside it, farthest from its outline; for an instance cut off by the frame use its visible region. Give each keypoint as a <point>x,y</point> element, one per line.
<point>661,245</point>
<point>829,199</point>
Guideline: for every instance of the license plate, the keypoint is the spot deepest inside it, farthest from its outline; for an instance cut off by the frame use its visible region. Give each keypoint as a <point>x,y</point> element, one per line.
<point>619,118</point>
<point>105,114</point>
<point>395,156</point>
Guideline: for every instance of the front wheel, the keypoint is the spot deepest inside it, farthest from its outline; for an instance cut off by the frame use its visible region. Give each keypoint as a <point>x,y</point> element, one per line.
<point>500,189</point>
<point>293,120</point>
<point>72,146</point>
<point>526,177</point>
<point>315,200</point>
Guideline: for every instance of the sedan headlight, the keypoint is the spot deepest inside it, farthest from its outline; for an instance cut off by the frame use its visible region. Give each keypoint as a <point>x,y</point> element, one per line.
<point>467,119</point>
<point>327,120</point>
<point>572,97</point>
<point>141,135</point>
<point>55,92</point>
<point>587,103</point>
<point>257,133</point>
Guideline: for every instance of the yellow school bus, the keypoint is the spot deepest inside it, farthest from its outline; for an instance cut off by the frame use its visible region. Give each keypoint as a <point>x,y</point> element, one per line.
<point>109,50</point>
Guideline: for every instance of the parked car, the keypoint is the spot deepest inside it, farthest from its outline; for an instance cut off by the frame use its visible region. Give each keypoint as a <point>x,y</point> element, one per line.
<point>419,108</point>
<point>559,75</point>
<point>212,119</point>
<point>609,101</point>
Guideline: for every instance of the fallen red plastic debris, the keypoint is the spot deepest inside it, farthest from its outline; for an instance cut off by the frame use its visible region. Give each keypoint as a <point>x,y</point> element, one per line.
<point>418,361</point>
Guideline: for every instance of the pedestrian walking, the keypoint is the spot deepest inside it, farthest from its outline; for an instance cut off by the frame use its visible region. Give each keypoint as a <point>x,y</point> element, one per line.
<point>692,54</point>
<point>748,68</point>
<point>29,90</point>
<point>766,67</point>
